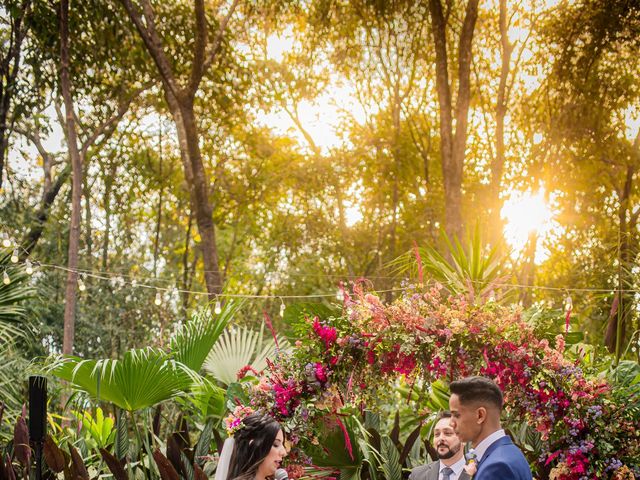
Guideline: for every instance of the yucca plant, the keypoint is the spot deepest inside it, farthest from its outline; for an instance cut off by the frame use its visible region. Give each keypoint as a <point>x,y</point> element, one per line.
<point>476,271</point>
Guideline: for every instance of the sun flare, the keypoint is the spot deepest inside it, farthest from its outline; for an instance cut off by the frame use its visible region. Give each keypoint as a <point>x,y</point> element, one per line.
<point>527,213</point>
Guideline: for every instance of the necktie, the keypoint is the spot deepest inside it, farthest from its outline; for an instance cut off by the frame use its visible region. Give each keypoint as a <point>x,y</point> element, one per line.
<point>446,473</point>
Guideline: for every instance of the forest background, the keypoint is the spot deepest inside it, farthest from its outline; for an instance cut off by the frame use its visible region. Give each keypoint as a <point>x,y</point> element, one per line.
<point>155,156</point>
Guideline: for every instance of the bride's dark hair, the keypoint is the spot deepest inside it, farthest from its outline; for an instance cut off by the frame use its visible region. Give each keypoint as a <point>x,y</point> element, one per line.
<point>252,443</point>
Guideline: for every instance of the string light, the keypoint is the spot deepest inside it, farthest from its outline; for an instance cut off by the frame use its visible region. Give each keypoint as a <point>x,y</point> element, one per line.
<point>218,308</point>
<point>28,267</point>
<point>14,256</point>
<point>81,286</point>
<point>282,308</point>
<point>6,242</point>
<point>568,303</point>
<point>5,278</point>
<point>158,300</point>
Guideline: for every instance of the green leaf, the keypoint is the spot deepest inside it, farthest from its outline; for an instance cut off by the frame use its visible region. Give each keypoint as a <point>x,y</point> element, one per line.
<point>194,340</point>
<point>204,443</point>
<point>122,436</point>
<point>238,347</point>
<point>141,379</point>
<point>391,463</point>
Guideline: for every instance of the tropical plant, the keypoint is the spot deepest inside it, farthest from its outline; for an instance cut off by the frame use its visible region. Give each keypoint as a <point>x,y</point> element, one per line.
<point>148,376</point>
<point>15,290</point>
<point>476,271</point>
<point>240,350</point>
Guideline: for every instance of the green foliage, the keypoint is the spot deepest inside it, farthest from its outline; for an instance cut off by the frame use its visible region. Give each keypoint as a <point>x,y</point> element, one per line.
<point>477,271</point>
<point>193,342</point>
<point>101,428</point>
<point>143,378</point>
<point>239,347</point>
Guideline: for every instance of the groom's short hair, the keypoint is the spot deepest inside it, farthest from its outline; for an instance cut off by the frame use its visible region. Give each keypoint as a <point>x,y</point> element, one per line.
<point>477,390</point>
<point>443,414</point>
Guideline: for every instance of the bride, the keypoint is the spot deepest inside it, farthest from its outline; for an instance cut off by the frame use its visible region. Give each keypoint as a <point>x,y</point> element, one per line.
<point>254,452</point>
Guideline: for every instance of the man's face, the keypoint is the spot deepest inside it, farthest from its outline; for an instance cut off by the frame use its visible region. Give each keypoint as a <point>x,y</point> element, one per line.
<point>464,420</point>
<point>445,440</point>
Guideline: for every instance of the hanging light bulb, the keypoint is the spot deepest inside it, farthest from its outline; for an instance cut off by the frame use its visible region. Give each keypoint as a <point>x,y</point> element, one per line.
<point>282,308</point>
<point>28,267</point>
<point>158,300</point>
<point>81,286</point>
<point>14,256</point>
<point>6,242</point>
<point>5,278</point>
<point>568,303</point>
<point>218,308</point>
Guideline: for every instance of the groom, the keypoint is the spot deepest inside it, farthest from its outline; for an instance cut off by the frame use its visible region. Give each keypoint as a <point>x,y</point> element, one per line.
<point>475,404</point>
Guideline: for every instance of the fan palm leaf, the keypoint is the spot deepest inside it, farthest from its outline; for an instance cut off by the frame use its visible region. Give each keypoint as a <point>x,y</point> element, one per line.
<point>239,347</point>
<point>193,342</point>
<point>141,379</point>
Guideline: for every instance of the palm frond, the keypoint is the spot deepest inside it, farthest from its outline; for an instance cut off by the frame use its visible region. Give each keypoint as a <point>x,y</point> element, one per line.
<point>475,271</point>
<point>238,347</point>
<point>193,342</point>
<point>16,292</point>
<point>143,378</point>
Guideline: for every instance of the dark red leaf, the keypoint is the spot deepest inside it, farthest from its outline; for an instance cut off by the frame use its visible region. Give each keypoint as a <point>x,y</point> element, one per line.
<point>53,456</point>
<point>78,470</point>
<point>167,472</point>
<point>116,467</point>
<point>21,449</point>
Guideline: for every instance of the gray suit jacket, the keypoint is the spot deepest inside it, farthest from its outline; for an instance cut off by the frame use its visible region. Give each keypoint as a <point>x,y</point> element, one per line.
<point>431,471</point>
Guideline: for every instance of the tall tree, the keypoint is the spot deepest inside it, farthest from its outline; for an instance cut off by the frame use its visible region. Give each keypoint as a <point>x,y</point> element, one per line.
<point>76,192</point>
<point>453,141</point>
<point>180,95</point>
<point>9,69</point>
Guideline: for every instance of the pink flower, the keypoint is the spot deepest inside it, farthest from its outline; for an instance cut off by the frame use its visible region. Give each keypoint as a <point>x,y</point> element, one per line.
<point>321,375</point>
<point>327,334</point>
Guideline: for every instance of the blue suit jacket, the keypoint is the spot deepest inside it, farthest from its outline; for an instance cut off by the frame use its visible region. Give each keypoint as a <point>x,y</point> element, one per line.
<point>503,461</point>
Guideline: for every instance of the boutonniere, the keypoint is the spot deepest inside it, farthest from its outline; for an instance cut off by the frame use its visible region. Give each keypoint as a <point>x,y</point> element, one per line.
<point>472,462</point>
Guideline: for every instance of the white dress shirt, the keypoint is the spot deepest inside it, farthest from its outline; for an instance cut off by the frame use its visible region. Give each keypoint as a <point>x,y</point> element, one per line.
<point>487,442</point>
<point>456,467</point>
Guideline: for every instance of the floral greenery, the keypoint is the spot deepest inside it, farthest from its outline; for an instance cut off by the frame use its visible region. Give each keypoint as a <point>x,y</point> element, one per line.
<point>342,364</point>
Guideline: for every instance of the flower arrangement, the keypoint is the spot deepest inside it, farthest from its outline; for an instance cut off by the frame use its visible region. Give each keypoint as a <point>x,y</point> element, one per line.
<point>233,422</point>
<point>343,364</point>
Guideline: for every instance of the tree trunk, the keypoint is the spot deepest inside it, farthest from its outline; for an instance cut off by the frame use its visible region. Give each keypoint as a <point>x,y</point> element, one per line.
<point>453,144</point>
<point>180,99</point>
<point>48,196</point>
<point>76,196</point>
<point>499,160</point>
<point>616,330</point>
<point>9,68</point>
<point>186,283</point>
<point>156,241</point>
<point>87,216</point>
<point>198,183</point>
<point>108,189</point>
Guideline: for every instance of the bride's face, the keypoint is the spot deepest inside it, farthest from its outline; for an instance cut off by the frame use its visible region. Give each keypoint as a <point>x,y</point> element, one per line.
<point>274,458</point>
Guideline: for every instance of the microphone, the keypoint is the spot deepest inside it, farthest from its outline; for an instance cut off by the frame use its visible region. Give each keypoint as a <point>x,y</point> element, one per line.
<point>281,474</point>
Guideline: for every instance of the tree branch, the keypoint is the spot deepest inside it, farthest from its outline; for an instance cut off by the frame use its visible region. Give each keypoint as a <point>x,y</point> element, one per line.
<point>217,41</point>
<point>197,69</point>
<point>152,41</point>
